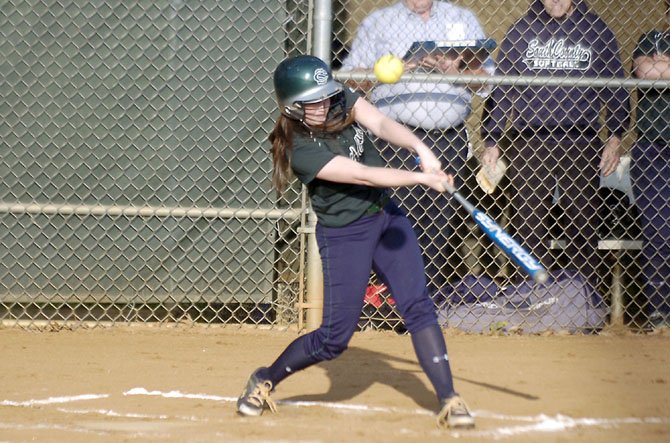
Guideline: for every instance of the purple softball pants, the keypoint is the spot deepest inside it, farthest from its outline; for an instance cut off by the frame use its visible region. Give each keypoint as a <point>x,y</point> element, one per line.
<point>650,176</point>
<point>538,165</point>
<point>386,243</point>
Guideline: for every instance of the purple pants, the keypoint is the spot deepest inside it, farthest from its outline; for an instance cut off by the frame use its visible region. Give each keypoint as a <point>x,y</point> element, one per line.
<point>538,164</point>
<point>650,176</point>
<point>386,243</point>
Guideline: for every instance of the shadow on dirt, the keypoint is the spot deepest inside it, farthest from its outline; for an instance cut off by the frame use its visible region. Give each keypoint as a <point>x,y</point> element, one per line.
<point>358,369</point>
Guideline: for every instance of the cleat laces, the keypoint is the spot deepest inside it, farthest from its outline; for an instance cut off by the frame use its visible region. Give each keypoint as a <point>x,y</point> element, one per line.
<point>261,395</point>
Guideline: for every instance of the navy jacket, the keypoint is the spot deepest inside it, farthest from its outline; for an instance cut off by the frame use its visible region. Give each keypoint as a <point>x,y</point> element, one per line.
<point>581,45</point>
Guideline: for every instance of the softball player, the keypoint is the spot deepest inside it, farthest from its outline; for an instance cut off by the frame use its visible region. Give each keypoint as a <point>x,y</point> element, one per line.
<point>320,137</point>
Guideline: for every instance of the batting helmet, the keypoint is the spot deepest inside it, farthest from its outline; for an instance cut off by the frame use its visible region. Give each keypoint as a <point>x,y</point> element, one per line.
<point>303,79</point>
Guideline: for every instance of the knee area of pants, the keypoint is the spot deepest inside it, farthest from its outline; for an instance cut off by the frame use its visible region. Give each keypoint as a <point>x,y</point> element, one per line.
<point>326,344</point>
<point>332,351</point>
<point>419,317</point>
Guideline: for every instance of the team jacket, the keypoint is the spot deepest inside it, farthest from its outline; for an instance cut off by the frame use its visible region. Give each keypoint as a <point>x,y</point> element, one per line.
<point>581,45</point>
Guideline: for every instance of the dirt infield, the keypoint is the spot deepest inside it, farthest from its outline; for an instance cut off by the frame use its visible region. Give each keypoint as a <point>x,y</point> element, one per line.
<point>178,384</point>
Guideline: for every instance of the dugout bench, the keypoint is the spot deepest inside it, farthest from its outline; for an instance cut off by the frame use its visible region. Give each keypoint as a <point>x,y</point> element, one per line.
<point>615,248</point>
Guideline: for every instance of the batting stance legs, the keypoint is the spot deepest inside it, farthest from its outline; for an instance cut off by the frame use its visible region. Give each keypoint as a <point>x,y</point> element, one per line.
<point>384,242</point>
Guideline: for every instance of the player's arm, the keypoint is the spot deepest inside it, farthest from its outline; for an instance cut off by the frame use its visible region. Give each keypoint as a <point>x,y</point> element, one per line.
<point>393,132</point>
<point>342,169</point>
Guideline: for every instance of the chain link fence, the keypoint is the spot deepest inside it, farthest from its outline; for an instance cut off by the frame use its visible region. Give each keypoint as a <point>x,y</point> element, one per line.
<point>584,226</point>
<point>136,176</point>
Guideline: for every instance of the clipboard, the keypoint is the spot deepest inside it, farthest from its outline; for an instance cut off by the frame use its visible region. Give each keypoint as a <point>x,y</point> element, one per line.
<point>474,52</point>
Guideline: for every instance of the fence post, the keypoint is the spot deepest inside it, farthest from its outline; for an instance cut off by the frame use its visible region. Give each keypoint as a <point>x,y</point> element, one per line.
<point>323,22</point>
<point>323,29</point>
<point>314,289</point>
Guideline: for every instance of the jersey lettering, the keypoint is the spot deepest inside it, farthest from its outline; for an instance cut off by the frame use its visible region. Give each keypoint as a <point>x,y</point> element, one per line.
<point>557,54</point>
<point>356,150</point>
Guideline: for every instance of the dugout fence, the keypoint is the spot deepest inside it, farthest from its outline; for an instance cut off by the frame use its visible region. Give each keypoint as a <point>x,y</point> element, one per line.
<point>135,175</point>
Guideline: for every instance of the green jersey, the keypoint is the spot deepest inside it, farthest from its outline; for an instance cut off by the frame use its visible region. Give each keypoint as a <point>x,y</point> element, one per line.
<point>336,204</point>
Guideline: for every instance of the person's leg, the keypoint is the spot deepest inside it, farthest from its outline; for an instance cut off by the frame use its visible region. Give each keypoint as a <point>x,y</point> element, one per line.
<point>346,255</point>
<point>579,180</point>
<point>533,188</point>
<point>398,262</point>
<point>650,177</point>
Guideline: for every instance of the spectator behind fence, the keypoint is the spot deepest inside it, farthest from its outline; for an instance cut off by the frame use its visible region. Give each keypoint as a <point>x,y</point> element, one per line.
<point>650,169</point>
<point>554,133</point>
<point>321,137</point>
<point>435,112</point>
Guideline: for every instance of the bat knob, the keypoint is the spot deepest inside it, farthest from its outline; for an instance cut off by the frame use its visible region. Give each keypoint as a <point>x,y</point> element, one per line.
<point>541,277</point>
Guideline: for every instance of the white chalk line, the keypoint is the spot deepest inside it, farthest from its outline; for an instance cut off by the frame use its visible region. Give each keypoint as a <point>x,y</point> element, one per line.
<point>544,424</point>
<point>531,424</point>
<point>53,400</point>
<point>297,403</point>
<point>177,394</point>
<point>133,415</point>
<point>537,424</point>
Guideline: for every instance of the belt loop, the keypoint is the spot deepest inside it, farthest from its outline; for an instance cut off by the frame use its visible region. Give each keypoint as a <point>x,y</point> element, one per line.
<point>379,205</point>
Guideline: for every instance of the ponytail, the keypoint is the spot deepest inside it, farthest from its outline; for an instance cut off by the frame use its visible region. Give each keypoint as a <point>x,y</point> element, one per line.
<point>281,138</point>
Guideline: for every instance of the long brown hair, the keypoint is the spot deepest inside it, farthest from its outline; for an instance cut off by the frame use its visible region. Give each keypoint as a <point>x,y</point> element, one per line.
<point>281,139</point>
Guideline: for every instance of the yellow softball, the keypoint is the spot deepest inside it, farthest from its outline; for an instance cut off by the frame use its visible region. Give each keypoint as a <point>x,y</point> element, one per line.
<point>388,68</point>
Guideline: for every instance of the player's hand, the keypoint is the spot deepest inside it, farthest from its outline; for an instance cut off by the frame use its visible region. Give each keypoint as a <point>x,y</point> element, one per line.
<point>427,161</point>
<point>437,180</point>
<point>449,179</point>
<point>442,64</point>
<point>611,156</point>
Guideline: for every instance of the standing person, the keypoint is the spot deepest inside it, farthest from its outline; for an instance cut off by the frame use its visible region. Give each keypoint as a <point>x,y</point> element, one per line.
<point>650,169</point>
<point>555,129</point>
<point>320,137</point>
<point>435,112</point>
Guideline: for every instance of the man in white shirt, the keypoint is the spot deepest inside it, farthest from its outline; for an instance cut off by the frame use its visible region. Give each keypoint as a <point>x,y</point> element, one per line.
<point>435,111</point>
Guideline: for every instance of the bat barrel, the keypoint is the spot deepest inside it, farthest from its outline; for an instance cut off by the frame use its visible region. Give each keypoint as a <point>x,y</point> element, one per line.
<point>502,239</point>
<point>511,247</point>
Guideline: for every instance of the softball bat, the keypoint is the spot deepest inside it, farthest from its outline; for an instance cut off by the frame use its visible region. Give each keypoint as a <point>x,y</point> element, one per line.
<point>502,239</point>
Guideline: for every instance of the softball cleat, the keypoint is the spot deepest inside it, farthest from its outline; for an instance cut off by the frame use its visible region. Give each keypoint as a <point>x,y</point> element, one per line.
<point>255,396</point>
<point>455,414</point>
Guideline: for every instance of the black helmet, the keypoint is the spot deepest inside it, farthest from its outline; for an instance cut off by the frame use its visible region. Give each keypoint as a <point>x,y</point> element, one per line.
<point>303,79</point>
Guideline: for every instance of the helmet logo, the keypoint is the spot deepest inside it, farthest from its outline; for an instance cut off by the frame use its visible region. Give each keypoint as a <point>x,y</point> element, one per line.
<point>321,76</point>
